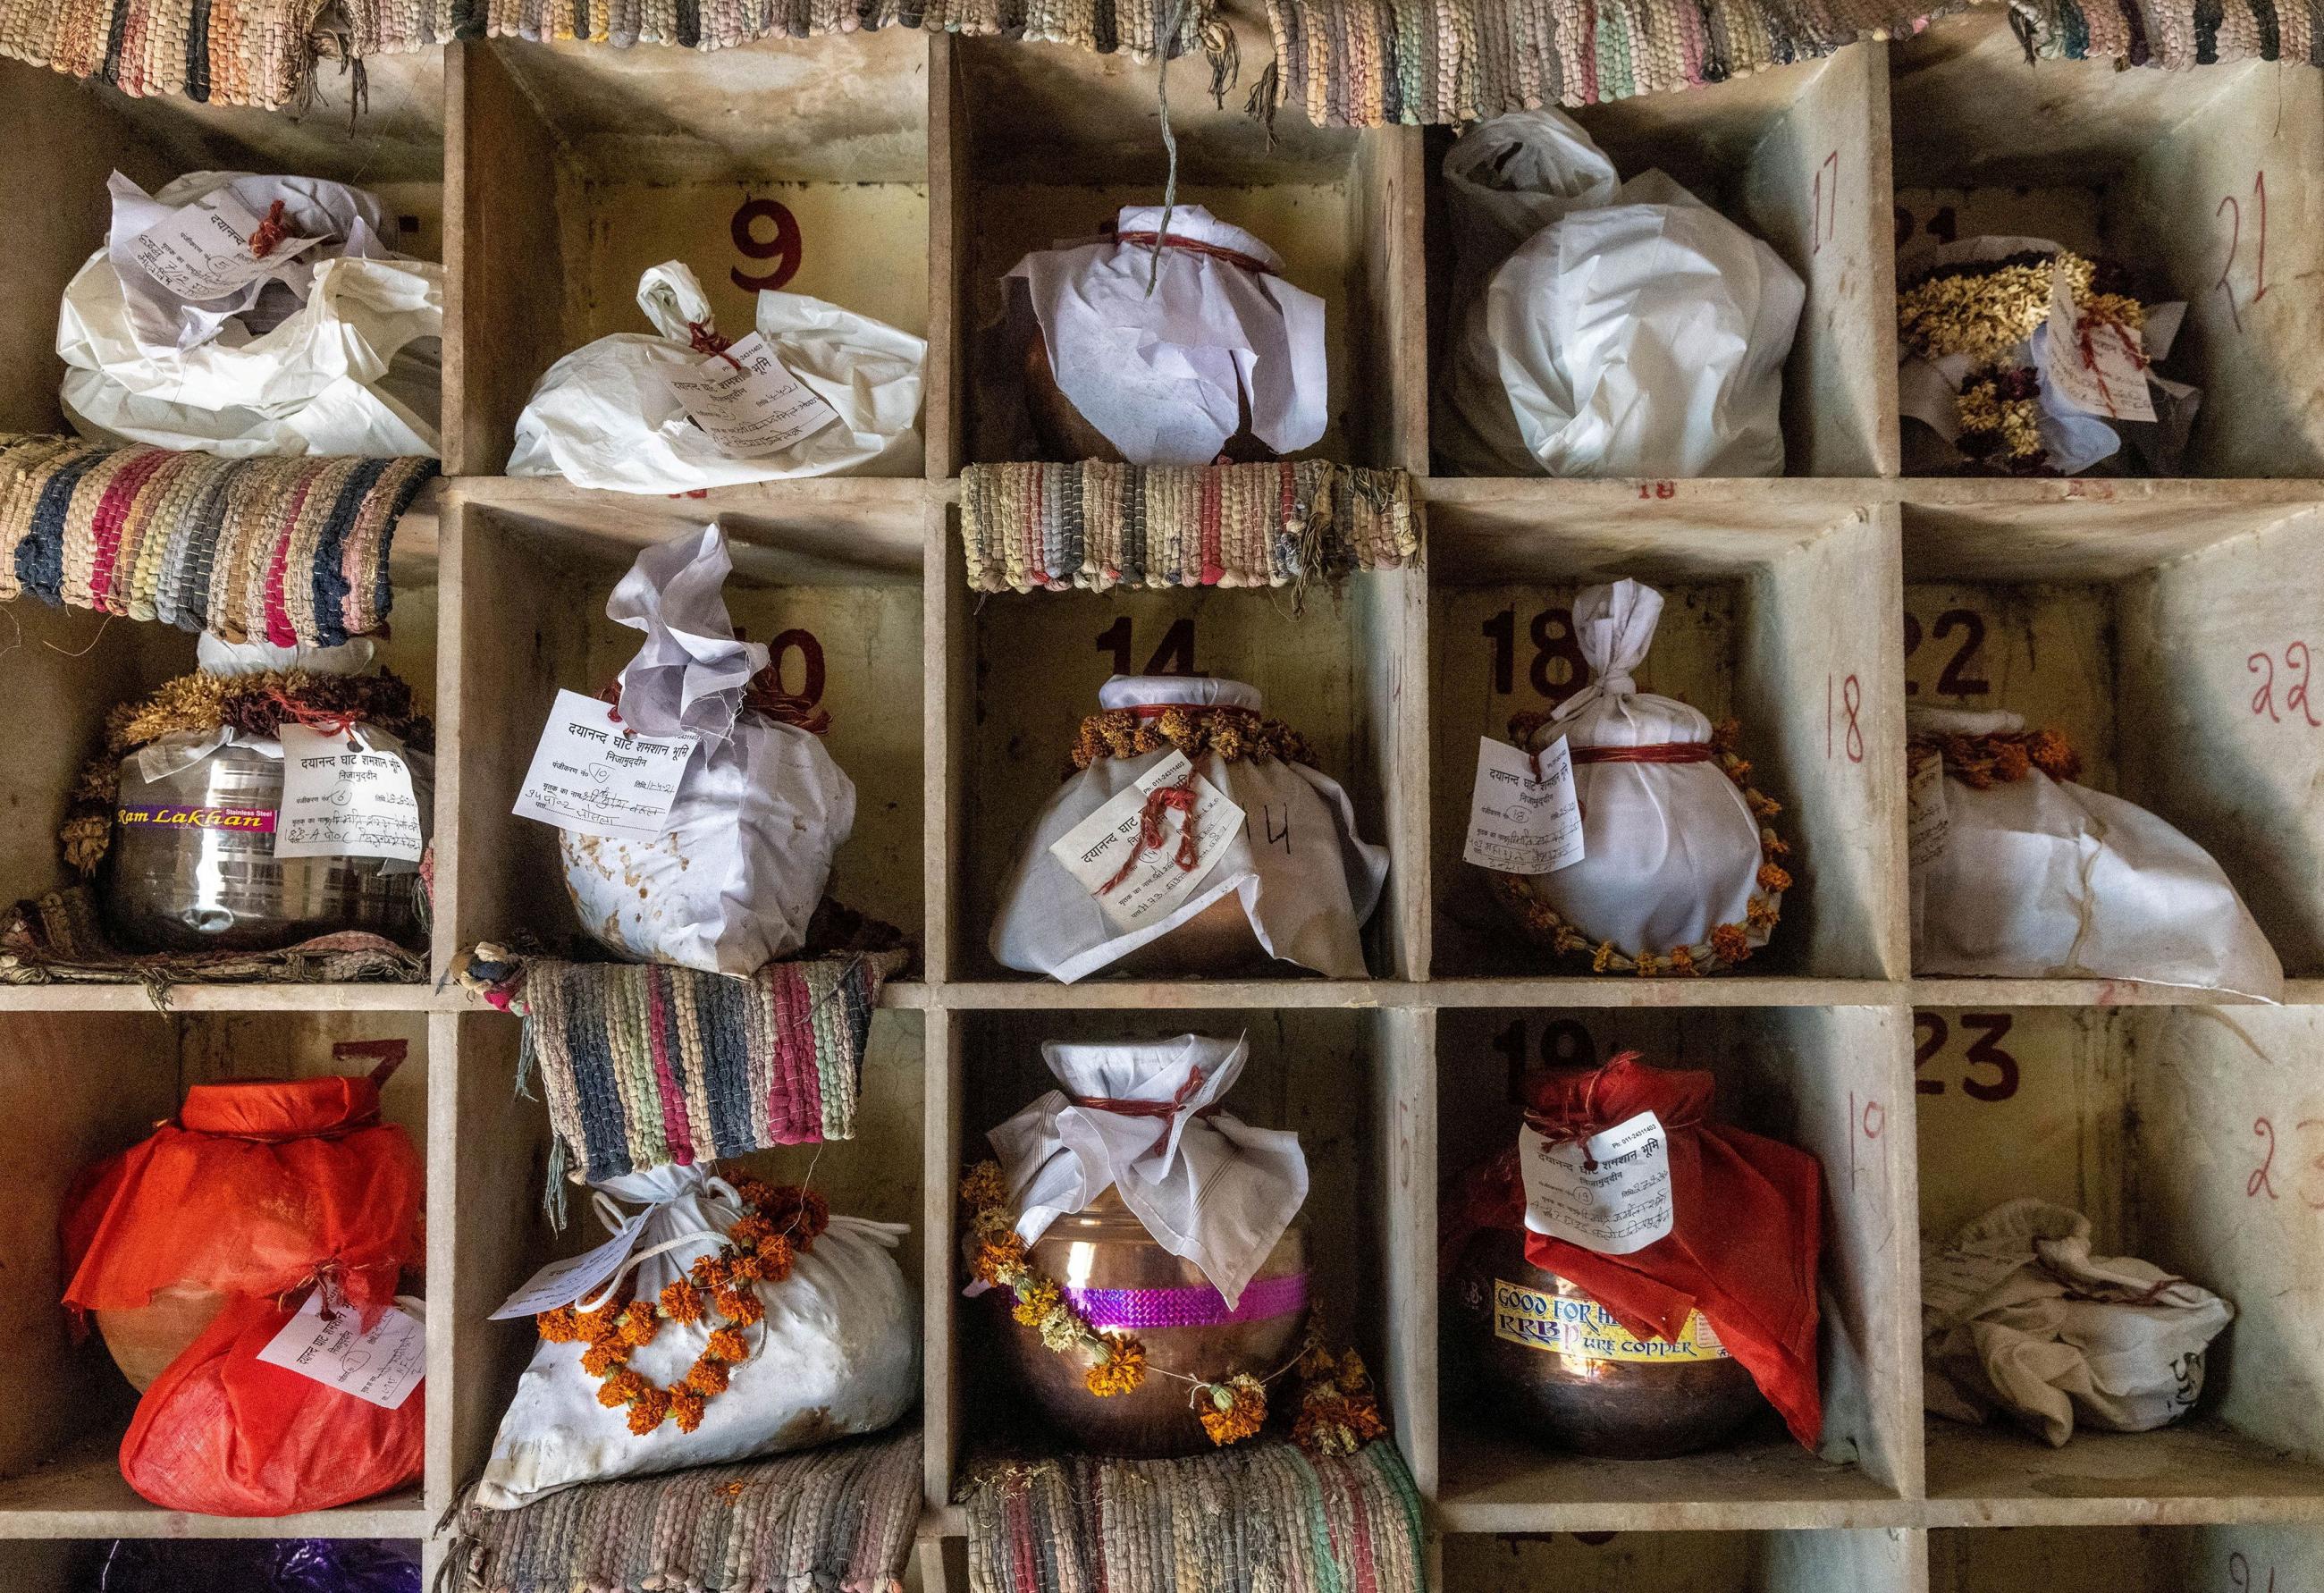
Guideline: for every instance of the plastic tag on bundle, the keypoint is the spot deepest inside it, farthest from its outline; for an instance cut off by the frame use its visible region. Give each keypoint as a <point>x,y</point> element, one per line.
<point>1610,1193</point>
<point>1524,818</point>
<point>590,773</point>
<point>380,1365</point>
<point>1143,855</point>
<point>205,251</point>
<point>748,404</point>
<point>342,798</point>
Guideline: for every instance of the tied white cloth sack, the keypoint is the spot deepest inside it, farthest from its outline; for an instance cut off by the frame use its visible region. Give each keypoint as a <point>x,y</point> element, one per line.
<point>605,416</point>
<point>837,1355</point>
<point>741,861</point>
<point>1632,332</point>
<point>2018,1317</point>
<point>337,350</point>
<point>1304,902</point>
<point>2044,878</point>
<point>1212,1190</point>
<point>1670,851</point>
<point>1165,375</point>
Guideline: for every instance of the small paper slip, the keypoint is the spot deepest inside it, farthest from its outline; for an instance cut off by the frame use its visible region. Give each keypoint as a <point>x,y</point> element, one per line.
<point>1928,822</point>
<point>381,1367</point>
<point>2109,377</point>
<point>203,252</point>
<point>589,776</point>
<point>1952,1281</point>
<point>342,798</point>
<point>756,411</point>
<point>1519,824</point>
<point>562,1283</point>
<point>1095,849</point>
<point>1611,1195</point>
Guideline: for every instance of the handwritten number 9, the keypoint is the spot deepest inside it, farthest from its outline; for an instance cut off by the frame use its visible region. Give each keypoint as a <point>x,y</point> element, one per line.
<point>782,247</point>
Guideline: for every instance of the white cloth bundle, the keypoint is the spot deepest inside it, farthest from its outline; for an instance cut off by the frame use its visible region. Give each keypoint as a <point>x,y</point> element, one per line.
<point>1209,1188</point>
<point>2044,878</point>
<point>1165,375</point>
<point>1671,851</point>
<point>1305,896</point>
<point>605,416</point>
<point>1635,332</point>
<point>2018,1317</point>
<point>337,350</point>
<point>837,1355</point>
<point>743,859</point>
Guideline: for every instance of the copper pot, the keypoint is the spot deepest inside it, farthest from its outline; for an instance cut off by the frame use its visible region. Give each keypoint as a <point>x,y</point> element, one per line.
<point>1065,435</point>
<point>1217,942</point>
<point>1545,1355</point>
<point>1107,1249</point>
<point>143,1340</point>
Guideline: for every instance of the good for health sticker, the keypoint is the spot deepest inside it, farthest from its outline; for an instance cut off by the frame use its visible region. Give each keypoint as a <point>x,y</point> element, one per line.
<point>343,798</point>
<point>590,776</point>
<point>1096,850</point>
<point>1610,1193</point>
<point>1521,822</point>
<point>752,407</point>
<point>1567,1326</point>
<point>381,1366</point>
<point>202,252</point>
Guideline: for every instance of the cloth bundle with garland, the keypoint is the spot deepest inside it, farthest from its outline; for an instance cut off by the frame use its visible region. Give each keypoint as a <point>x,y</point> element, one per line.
<point>2017,356</point>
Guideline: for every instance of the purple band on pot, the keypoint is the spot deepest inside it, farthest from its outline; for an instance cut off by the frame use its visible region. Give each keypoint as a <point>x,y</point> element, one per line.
<point>1139,1309</point>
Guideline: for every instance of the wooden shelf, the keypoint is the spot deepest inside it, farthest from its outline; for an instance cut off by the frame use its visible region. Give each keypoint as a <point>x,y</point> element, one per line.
<point>2197,1473</point>
<point>81,1494</point>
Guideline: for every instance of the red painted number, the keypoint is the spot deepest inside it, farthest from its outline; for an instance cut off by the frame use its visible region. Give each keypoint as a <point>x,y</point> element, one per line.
<point>1658,489</point>
<point>2234,207</point>
<point>1558,669</point>
<point>2299,667</point>
<point>1984,1052</point>
<point>1173,655</point>
<point>782,247</point>
<point>1825,221</point>
<point>810,654</point>
<point>1850,734</point>
<point>1868,1121</point>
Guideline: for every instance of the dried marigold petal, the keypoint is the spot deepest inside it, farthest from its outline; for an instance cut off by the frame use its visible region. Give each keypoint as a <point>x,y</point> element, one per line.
<point>681,1302</point>
<point>728,1344</point>
<point>740,1306</point>
<point>685,1408</point>
<point>708,1376</point>
<point>1122,1369</point>
<point>1233,1410</point>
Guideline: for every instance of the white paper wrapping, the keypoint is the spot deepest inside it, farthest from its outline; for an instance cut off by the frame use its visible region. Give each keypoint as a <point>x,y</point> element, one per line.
<point>1670,849</point>
<point>730,883</point>
<point>339,351</point>
<point>605,416</point>
<point>1508,178</point>
<point>839,1354</point>
<point>1212,1190</point>
<point>1306,894</point>
<point>1162,374</point>
<point>214,654</point>
<point>2044,878</point>
<point>2058,1335</point>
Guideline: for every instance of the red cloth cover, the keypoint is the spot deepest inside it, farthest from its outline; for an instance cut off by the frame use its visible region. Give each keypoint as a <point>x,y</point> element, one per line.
<point>1747,1215</point>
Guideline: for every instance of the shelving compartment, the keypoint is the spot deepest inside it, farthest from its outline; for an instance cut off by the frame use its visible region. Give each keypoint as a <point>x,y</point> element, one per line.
<point>2190,1137</point>
<point>2126,1559</point>
<point>1828,1081</point>
<point>1863,1562</point>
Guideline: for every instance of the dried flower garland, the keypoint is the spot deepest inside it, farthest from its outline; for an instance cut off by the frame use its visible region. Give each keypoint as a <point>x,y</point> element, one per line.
<point>2008,756</point>
<point>783,1223</point>
<point>1339,1412</point>
<point>1728,943</point>
<point>1233,733</point>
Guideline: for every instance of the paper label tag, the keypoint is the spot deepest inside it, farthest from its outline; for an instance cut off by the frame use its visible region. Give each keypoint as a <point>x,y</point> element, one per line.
<point>202,252</point>
<point>1518,824</point>
<point>2108,378</point>
<point>1611,1195</point>
<point>1567,1326</point>
<point>1954,1280</point>
<point>590,776</point>
<point>753,411</point>
<point>563,1283</point>
<point>1928,822</point>
<point>381,1367</point>
<point>1095,851</point>
<point>341,797</point>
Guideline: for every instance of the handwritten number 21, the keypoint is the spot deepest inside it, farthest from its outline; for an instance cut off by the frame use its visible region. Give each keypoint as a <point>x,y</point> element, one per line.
<point>2235,241</point>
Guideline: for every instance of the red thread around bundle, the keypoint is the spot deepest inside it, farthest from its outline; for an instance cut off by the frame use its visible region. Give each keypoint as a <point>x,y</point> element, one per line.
<point>1234,257</point>
<point>706,341</point>
<point>1158,801</point>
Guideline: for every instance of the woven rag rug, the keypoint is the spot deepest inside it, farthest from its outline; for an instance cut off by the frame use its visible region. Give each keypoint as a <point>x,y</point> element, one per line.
<point>1099,526</point>
<point>292,550</point>
<point>1264,1516</point>
<point>839,1519</point>
<point>1137,27</point>
<point>60,939</point>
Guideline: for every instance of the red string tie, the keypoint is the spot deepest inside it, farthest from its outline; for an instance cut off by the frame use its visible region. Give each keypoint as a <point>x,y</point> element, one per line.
<point>1158,801</point>
<point>270,234</point>
<point>707,341</point>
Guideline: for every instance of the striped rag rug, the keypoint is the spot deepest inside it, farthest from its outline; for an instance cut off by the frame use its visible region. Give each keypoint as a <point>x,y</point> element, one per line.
<point>1097,526</point>
<point>839,1519</point>
<point>290,550</point>
<point>1262,1516</point>
<point>1135,27</point>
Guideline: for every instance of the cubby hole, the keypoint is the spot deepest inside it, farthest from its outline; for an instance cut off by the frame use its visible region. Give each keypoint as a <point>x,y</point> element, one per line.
<point>68,1565</point>
<point>2243,1559</point>
<point>1823,1080</point>
<point>1863,1562</point>
<point>2172,175</point>
<point>2189,1137</point>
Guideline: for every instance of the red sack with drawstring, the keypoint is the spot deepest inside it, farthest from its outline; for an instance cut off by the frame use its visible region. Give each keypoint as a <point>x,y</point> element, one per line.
<point>261,1192</point>
<point>1746,1225</point>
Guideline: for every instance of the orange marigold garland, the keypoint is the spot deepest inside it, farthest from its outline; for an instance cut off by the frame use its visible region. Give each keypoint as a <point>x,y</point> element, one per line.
<point>2006,756</point>
<point>781,1224</point>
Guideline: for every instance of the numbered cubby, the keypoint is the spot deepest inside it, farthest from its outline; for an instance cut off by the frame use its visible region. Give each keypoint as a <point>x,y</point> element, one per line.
<point>1045,146</point>
<point>1862,1562</point>
<point>1828,1080</point>
<point>80,1087</point>
<point>2239,1559</point>
<point>792,163</point>
<point>831,584</point>
<point>1762,622</point>
<point>2190,1137</point>
<point>2167,629</point>
<point>1794,156</point>
<point>2204,184</point>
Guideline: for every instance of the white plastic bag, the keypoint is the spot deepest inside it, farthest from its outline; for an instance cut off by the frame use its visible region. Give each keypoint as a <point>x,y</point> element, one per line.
<point>1305,895</point>
<point>604,415</point>
<point>1670,849</point>
<point>2044,878</point>
<point>1508,178</point>
<point>337,351</point>
<point>2018,1317</point>
<point>742,862</point>
<point>837,1355</point>
<point>1165,375</point>
<point>1209,1188</point>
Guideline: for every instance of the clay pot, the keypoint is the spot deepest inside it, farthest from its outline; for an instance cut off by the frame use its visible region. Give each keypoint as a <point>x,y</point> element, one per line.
<point>1107,1247</point>
<point>1217,942</point>
<point>145,1339</point>
<point>1066,436</point>
<point>1546,1359</point>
